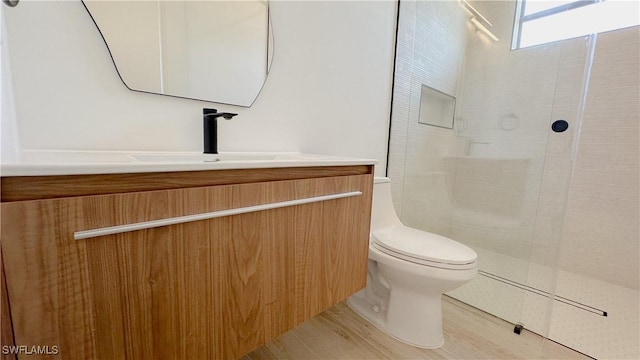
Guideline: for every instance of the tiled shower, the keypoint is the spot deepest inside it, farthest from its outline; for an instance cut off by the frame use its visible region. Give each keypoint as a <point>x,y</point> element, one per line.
<point>553,215</point>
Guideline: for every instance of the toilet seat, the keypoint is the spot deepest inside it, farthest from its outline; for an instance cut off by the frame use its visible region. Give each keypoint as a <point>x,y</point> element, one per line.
<point>423,248</point>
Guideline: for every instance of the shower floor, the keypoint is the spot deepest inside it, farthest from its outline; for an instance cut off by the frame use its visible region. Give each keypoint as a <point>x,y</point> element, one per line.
<point>515,290</point>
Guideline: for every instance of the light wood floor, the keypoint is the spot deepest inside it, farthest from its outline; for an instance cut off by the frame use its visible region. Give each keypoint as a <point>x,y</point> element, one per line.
<point>340,333</point>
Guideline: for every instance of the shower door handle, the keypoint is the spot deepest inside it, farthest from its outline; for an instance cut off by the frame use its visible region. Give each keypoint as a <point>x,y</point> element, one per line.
<point>560,126</point>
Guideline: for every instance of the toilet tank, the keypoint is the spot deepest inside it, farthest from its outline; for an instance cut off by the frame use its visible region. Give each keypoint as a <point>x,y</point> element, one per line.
<point>383,213</point>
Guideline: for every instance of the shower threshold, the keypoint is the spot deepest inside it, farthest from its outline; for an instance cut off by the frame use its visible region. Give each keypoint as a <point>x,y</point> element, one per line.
<point>543,293</point>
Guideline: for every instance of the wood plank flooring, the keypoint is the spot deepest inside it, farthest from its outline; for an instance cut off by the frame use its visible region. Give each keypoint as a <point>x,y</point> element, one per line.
<point>340,333</point>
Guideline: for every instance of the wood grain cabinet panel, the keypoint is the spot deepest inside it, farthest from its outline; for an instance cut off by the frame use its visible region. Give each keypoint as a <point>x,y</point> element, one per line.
<point>209,289</point>
<point>6,327</point>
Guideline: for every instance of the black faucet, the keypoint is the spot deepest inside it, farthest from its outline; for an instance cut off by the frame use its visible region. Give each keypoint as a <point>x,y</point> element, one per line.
<point>210,117</point>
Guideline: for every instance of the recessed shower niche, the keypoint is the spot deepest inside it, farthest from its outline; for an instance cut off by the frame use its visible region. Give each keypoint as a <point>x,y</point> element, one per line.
<point>436,108</point>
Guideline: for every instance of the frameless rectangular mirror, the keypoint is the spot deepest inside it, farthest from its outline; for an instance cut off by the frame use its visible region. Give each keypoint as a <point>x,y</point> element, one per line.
<point>436,108</point>
<point>217,51</point>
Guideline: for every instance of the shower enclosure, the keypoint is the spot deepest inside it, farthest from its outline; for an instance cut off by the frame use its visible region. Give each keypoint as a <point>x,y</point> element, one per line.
<point>485,135</point>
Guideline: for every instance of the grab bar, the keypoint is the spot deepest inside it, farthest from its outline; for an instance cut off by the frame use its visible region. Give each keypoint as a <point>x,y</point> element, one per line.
<point>86,234</point>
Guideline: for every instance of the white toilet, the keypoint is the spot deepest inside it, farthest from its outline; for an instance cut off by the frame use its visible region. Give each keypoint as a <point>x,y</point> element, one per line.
<point>408,271</point>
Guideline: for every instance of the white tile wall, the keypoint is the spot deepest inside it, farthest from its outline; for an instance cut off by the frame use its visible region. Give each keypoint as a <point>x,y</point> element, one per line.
<point>431,38</point>
<point>401,100</point>
<point>601,237</point>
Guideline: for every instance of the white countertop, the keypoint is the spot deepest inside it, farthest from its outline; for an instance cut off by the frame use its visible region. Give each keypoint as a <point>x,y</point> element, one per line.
<point>66,162</point>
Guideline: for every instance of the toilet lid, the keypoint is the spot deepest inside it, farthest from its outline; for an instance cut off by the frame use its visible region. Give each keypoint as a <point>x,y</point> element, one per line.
<point>424,248</point>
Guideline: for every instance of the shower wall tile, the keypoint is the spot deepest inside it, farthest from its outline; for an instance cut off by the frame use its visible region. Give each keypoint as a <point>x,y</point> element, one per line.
<point>601,236</point>
<point>558,159</point>
<point>431,38</point>
<point>401,100</point>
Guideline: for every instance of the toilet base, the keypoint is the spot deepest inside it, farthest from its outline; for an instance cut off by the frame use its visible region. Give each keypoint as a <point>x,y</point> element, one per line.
<point>404,299</point>
<point>377,316</point>
<point>406,277</point>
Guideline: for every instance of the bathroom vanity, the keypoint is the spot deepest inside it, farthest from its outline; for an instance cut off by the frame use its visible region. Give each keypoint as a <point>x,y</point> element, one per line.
<point>95,264</point>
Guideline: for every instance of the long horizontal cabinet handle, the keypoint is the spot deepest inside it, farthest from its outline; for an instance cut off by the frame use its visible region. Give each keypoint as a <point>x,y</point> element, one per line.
<point>86,234</point>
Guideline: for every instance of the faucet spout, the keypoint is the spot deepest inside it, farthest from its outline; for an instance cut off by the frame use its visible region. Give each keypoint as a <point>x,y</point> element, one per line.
<point>210,127</point>
<point>213,113</point>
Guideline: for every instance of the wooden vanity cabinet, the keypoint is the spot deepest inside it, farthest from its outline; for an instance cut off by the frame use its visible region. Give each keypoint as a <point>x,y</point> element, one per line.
<point>208,289</point>
<point>6,329</point>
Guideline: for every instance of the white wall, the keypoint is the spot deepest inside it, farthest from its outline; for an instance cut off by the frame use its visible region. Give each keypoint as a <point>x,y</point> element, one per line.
<point>328,91</point>
<point>8,131</point>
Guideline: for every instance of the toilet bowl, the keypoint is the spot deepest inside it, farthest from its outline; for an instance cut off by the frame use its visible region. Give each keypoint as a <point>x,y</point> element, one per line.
<point>408,271</point>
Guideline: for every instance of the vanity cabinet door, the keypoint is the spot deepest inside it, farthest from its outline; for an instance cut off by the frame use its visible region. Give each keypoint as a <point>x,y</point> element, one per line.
<point>6,340</point>
<point>208,289</point>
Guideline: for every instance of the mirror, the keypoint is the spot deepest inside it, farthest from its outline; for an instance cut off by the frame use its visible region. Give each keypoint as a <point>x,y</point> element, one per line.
<point>436,108</point>
<point>218,51</point>
<point>11,3</point>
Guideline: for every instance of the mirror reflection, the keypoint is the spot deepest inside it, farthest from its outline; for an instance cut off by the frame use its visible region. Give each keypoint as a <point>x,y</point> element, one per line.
<point>215,51</point>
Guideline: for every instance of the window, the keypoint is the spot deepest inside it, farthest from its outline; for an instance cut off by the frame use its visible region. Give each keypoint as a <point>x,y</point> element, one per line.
<point>543,21</point>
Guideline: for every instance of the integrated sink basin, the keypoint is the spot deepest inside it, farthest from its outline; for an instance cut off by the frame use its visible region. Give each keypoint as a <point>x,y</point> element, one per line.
<point>204,157</point>
<point>71,162</point>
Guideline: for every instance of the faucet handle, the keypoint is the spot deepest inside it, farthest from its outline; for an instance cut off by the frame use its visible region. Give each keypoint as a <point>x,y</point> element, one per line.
<point>206,111</point>
<point>228,116</point>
